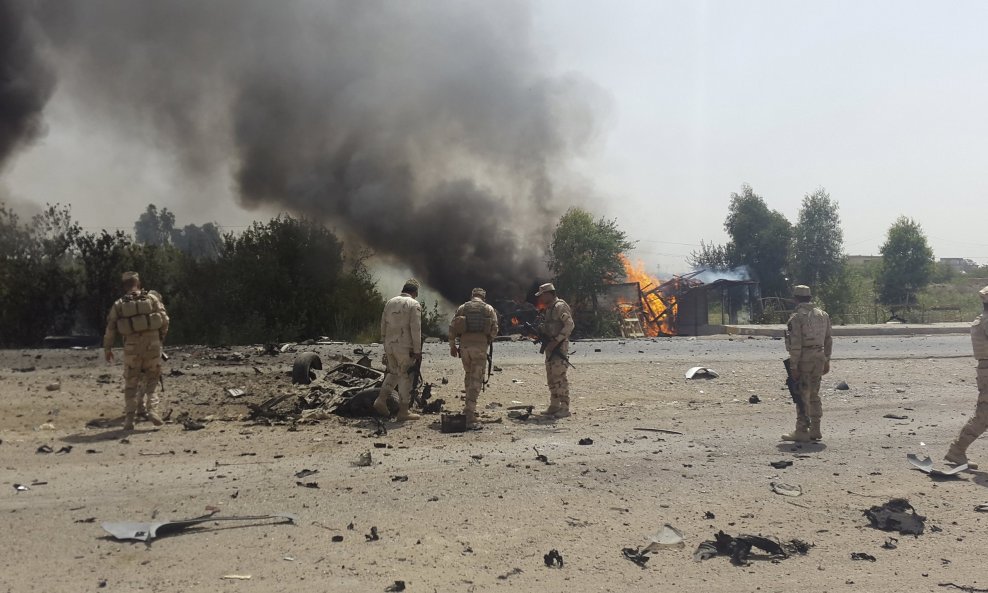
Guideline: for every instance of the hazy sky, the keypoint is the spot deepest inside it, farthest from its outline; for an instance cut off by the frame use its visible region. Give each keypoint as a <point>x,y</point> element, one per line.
<point>881,103</point>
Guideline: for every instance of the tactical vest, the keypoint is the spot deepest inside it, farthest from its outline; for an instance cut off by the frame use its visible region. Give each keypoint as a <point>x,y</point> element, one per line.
<point>979,339</point>
<point>476,318</point>
<point>136,314</point>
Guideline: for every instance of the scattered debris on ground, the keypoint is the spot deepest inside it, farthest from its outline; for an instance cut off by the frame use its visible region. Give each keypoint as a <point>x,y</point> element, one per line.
<point>553,558</point>
<point>701,373</point>
<point>896,416</point>
<point>863,556</point>
<point>373,535</point>
<point>541,457</point>
<point>586,441</point>
<point>891,543</point>
<point>666,537</point>
<point>783,464</point>
<point>305,473</point>
<point>636,555</point>
<point>396,587</point>
<point>966,588</point>
<point>754,399</point>
<point>896,515</point>
<point>787,489</point>
<point>739,548</point>
<point>842,386</point>
<point>364,460</point>
<point>145,532</point>
<point>509,574</point>
<point>661,430</point>
<point>925,465</point>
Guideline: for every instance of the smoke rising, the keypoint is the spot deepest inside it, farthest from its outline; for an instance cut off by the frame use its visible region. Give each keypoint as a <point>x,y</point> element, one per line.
<point>428,131</point>
<point>738,274</point>
<point>26,80</point>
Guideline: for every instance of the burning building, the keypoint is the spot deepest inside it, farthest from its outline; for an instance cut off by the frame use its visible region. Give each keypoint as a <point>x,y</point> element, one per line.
<point>693,304</point>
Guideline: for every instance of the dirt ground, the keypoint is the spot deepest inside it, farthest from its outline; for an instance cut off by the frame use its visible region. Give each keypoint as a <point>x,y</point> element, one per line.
<point>478,511</point>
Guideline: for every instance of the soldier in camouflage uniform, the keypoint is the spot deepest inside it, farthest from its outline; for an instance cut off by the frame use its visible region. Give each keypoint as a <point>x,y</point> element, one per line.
<point>809,343</point>
<point>557,326</point>
<point>976,426</point>
<point>401,333</point>
<point>471,334</point>
<point>140,317</point>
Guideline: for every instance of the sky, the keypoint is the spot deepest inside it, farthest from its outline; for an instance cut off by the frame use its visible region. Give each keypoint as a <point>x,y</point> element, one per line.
<point>883,104</point>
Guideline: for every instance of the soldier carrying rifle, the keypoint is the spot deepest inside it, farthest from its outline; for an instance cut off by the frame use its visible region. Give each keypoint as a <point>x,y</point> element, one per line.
<point>555,331</point>
<point>809,343</point>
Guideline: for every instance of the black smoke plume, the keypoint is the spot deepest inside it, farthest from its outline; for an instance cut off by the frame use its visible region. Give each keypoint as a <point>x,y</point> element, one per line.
<point>428,131</point>
<point>26,80</point>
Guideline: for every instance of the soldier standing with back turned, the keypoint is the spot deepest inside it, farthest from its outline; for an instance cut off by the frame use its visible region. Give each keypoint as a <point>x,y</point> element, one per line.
<point>556,329</point>
<point>401,333</point>
<point>976,426</point>
<point>471,334</point>
<point>809,343</point>
<point>140,317</point>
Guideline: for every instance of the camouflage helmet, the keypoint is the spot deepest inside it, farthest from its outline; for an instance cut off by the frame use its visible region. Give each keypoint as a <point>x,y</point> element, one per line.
<point>801,291</point>
<point>129,276</point>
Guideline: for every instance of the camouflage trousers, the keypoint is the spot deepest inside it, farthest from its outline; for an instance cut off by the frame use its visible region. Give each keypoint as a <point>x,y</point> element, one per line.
<point>142,369</point>
<point>398,363</point>
<point>555,374</point>
<point>474,360</point>
<point>810,376</point>
<point>978,423</point>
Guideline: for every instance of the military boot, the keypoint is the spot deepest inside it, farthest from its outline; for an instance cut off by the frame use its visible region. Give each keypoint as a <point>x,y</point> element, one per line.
<point>403,411</point>
<point>800,435</point>
<point>553,408</point>
<point>155,419</point>
<point>471,419</point>
<point>956,455</point>
<point>128,422</point>
<point>563,411</point>
<point>815,434</point>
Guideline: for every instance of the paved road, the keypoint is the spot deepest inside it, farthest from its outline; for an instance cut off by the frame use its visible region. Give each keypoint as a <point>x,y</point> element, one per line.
<point>708,350</point>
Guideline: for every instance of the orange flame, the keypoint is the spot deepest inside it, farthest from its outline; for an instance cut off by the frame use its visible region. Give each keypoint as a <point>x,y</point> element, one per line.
<point>656,313</point>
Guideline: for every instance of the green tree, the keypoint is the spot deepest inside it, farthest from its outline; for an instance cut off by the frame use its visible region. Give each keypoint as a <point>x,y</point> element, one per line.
<point>760,239</point>
<point>154,227</point>
<point>907,264</point>
<point>709,256</point>
<point>38,275</point>
<point>585,255</point>
<point>818,241</point>
<point>104,257</point>
<point>818,252</point>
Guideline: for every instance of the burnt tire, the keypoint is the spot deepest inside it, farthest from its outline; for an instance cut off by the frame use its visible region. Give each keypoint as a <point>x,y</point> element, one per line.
<point>303,371</point>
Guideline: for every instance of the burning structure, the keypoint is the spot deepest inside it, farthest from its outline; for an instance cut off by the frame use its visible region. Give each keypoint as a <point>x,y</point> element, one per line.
<point>691,304</point>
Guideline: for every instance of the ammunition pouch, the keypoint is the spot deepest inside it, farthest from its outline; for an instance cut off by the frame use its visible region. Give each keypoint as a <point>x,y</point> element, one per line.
<point>459,325</point>
<point>136,314</point>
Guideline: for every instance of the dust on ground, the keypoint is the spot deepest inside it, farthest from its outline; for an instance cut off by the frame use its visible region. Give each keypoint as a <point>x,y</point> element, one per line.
<point>478,512</point>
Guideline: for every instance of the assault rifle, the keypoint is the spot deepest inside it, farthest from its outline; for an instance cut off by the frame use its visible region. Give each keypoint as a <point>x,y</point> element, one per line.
<point>490,365</point>
<point>793,386</point>
<point>540,339</point>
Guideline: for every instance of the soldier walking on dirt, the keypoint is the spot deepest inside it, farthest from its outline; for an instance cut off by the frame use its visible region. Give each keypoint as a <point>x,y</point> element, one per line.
<point>809,343</point>
<point>556,329</point>
<point>401,333</point>
<point>976,426</point>
<point>140,317</point>
<point>471,334</point>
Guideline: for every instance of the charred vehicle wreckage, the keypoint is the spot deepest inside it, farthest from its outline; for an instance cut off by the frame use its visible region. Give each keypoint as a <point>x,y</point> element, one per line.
<point>348,389</point>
